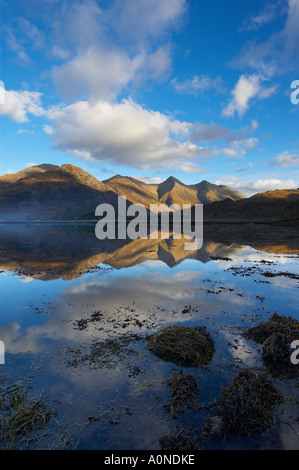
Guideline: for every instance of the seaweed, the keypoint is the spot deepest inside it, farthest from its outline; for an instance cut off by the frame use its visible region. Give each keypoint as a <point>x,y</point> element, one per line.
<point>247,404</point>
<point>20,416</point>
<point>106,353</point>
<point>184,390</point>
<point>184,439</point>
<point>276,336</point>
<point>182,345</point>
<point>276,324</point>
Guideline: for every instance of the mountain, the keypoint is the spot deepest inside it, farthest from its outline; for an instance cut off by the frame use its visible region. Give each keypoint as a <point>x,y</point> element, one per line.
<point>136,191</point>
<point>10,178</point>
<point>262,207</point>
<point>47,192</point>
<point>171,191</point>
<point>65,192</point>
<point>208,192</point>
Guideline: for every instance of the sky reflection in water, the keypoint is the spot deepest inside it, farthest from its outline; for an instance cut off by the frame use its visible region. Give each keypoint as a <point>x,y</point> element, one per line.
<point>63,290</point>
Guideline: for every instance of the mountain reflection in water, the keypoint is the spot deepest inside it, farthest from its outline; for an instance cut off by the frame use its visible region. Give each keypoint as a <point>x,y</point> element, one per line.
<point>67,251</point>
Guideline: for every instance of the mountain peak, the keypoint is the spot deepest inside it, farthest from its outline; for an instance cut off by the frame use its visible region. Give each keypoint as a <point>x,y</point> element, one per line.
<point>172,179</point>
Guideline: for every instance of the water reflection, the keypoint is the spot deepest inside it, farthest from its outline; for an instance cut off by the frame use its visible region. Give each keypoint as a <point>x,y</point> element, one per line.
<point>109,296</point>
<point>68,251</point>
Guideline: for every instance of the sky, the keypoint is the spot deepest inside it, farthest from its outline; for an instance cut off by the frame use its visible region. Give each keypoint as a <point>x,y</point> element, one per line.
<point>196,89</point>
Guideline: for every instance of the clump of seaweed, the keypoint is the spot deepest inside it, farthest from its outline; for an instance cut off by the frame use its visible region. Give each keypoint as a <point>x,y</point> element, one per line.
<point>184,390</point>
<point>247,404</point>
<point>185,439</point>
<point>20,416</point>
<point>276,324</point>
<point>276,335</point>
<point>182,345</point>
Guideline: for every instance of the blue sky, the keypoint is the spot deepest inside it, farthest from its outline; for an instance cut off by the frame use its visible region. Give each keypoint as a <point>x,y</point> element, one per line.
<point>152,88</point>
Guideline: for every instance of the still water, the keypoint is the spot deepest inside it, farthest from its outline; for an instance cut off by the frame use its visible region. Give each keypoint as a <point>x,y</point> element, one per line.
<point>76,313</point>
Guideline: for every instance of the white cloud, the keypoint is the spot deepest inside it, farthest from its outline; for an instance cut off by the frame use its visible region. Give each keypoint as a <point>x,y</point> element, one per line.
<point>18,104</point>
<point>122,133</point>
<point>248,188</point>
<point>22,131</point>
<point>150,179</point>
<point>189,167</point>
<point>286,160</point>
<point>265,16</point>
<point>278,54</point>
<point>16,46</point>
<point>142,19</point>
<point>238,148</point>
<point>96,72</point>
<point>78,23</point>
<point>104,72</point>
<point>198,85</point>
<point>208,132</point>
<point>21,37</point>
<point>48,129</point>
<point>247,88</point>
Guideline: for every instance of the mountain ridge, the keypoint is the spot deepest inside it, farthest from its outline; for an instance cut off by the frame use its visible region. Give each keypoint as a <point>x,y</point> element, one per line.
<point>67,192</point>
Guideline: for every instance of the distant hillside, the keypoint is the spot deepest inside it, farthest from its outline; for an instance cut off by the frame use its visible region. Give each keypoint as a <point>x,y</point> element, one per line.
<point>47,192</point>
<point>269,206</point>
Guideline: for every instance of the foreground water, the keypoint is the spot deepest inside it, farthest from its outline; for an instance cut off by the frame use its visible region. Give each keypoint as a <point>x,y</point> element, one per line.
<point>76,314</point>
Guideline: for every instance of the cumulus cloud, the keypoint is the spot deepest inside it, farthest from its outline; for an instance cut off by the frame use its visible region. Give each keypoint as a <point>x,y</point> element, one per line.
<point>249,188</point>
<point>18,104</point>
<point>247,88</point>
<point>97,73</point>
<point>122,133</point>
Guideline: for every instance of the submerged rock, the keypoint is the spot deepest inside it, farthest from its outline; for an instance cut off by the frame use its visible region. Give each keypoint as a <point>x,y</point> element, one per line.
<point>182,345</point>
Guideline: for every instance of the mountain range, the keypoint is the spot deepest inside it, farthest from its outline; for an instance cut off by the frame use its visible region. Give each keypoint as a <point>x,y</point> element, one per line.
<point>47,192</point>
<point>52,192</point>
